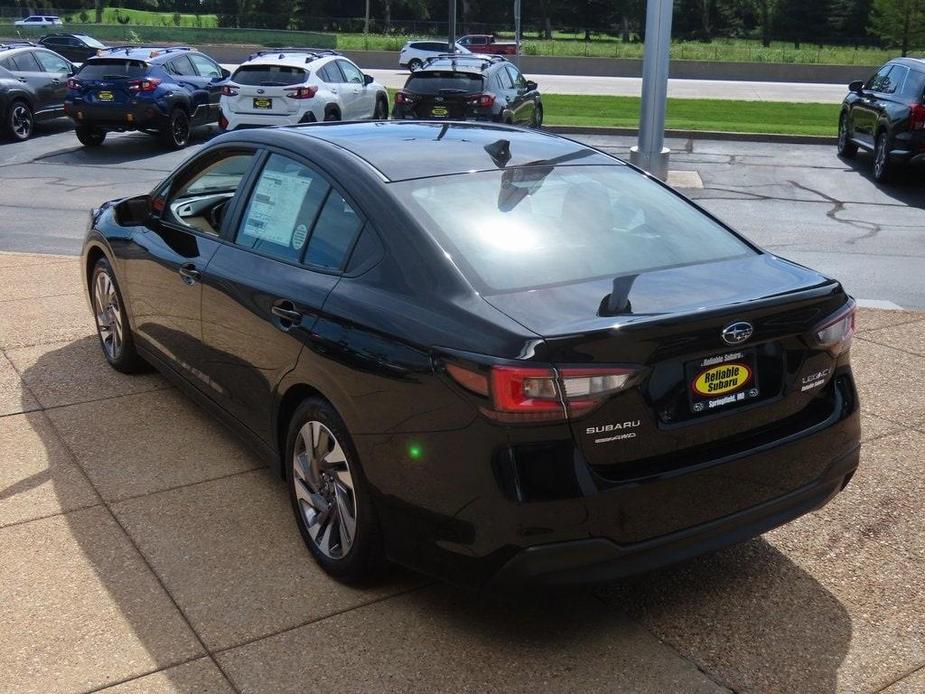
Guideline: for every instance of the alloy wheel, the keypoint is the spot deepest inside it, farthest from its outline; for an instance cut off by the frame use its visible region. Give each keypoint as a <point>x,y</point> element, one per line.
<point>108,314</point>
<point>842,134</point>
<point>880,157</point>
<point>21,121</point>
<point>180,130</point>
<point>324,488</point>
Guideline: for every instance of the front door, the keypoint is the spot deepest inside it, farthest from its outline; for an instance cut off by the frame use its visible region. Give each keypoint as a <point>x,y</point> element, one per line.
<point>866,110</point>
<point>264,291</point>
<point>58,70</point>
<point>164,265</point>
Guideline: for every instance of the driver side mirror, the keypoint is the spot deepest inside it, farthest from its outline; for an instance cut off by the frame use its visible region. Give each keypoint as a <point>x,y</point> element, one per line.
<point>226,73</point>
<point>532,86</point>
<point>857,86</point>
<point>137,211</point>
<point>367,79</point>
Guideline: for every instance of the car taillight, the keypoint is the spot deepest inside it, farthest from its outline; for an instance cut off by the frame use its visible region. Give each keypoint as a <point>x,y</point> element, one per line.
<point>228,90</point>
<point>149,84</point>
<point>302,92</point>
<point>521,394</point>
<point>403,98</point>
<point>835,333</point>
<point>486,100</point>
<point>917,117</point>
<point>73,84</point>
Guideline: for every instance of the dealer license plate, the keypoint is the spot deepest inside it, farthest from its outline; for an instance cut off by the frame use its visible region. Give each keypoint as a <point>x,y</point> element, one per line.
<point>263,102</point>
<point>723,380</point>
<point>104,96</point>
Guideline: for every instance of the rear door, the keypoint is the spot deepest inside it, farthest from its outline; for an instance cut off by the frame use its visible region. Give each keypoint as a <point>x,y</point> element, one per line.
<point>197,88</point>
<point>354,92</point>
<point>58,69</point>
<point>265,289</point>
<point>867,109</point>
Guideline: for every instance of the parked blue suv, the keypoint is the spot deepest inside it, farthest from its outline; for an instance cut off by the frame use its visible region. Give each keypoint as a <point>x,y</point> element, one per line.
<point>165,91</point>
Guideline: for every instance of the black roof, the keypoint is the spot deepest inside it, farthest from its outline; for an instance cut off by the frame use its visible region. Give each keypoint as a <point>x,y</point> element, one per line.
<point>403,150</point>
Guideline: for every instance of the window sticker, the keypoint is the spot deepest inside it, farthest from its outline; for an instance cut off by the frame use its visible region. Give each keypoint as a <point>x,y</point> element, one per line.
<point>276,205</point>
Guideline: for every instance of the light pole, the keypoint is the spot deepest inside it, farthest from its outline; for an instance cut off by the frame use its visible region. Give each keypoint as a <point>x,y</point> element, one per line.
<point>517,11</point>
<point>451,34</point>
<point>651,154</point>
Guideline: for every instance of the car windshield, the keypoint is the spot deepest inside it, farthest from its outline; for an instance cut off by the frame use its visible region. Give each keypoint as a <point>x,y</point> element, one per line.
<point>90,41</point>
<point>437,82</point>
<point>112,68</point>
<point>526,227</point>
<point>269,75</point>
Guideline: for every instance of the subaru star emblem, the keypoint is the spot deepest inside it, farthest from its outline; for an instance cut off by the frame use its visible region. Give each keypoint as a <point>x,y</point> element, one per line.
<point>260,91</point>
<point>737,333</point>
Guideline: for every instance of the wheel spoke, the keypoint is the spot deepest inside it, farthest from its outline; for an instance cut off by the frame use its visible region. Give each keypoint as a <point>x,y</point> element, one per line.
<point>346,515</point>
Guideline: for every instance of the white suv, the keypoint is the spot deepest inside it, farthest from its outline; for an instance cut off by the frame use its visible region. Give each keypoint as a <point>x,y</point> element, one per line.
<point>39,20</point>
<point>414,53</point>
<point>299,85</point>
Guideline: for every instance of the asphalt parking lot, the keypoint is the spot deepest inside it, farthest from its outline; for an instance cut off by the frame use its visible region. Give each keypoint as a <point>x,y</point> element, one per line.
<point>142,546</point>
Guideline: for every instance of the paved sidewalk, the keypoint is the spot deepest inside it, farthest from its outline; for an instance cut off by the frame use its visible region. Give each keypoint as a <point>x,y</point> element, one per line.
<point>141,544</point>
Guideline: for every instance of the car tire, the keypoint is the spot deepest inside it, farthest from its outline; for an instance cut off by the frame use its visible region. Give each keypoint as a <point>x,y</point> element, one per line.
<point>846,148</point>
<point>112,324</point>
<point>883,167</point>
<point>414,64</point>
<point>90,137</point>
<point>331,115</point>
<point>538,116</point>
<point>382,109</point>
<point>20,121</point>
<point>177,133</point>
<point>330,495</point>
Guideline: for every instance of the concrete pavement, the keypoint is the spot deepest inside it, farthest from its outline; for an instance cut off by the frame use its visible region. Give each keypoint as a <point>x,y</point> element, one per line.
<point>142,546</point>
<point>677,88</point>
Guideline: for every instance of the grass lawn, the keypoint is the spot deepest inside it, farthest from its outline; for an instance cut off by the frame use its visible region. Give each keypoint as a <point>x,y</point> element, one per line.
<point>145,18</point>
<point>696,114</point>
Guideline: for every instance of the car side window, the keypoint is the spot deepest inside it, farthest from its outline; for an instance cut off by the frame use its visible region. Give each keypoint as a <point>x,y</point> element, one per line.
<point>351,72</point>
<point>504,77</point>
<point>914,86</point>
<point>282,209</point>
<point>7,64</point>
<point>52,63</point>
<point>181,66</point>
<point>198,197</point>
<point>26,62</point>
<point>875,83</point>
<point>895,80</point>
<point>330,74</point>
<point>204,66</point>
<point>335,231</point>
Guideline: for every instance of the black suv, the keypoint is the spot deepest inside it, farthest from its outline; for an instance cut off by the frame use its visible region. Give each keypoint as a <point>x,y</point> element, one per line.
<point>76,47</point>
<point>469,87</point>
<point>886,115</point>
<point>164,91</point>
<point>33,85</point>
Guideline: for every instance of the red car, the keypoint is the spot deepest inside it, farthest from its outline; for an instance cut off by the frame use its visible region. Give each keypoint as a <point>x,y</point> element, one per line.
<point>486,43</point>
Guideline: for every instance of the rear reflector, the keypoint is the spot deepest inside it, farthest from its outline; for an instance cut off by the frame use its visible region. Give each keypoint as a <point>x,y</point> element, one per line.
<point>541,394</point>
<point>222,121</point>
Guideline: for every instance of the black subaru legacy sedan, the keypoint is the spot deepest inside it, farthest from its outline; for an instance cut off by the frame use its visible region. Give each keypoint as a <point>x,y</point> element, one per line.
<point>490,354</point>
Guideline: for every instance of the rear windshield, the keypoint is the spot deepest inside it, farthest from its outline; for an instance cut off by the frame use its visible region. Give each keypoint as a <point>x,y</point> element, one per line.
<point>537,225</point>
<point>437,82</point>
<point>269,75</point>
<point>89,40</point>
<point>112,68</point>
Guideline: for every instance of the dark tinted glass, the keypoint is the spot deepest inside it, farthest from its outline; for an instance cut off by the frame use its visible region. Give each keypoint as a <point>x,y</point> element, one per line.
<point>366,253</point>
<point>330,74</point>
<point>282,209</point>
<point>435,82</point>
<point>52,63</point>
<point>269,75</point>
<point>181,66</point>
<point>334,234</point>
<point>112,68</point>
<point>532,226</point>
<point>26,62</point>
<point>89,41</point>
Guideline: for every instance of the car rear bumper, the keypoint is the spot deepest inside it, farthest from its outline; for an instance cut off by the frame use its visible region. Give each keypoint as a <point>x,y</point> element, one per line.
<point>462,528</point>
<point>257,120</point>
<point>601,559</point>
<point>123,117</point>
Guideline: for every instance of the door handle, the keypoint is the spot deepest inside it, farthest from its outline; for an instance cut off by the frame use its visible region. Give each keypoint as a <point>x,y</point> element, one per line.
<point>56,81</point>
<point>190,274</point>
<point>22,79</point>
<point>287,314</point>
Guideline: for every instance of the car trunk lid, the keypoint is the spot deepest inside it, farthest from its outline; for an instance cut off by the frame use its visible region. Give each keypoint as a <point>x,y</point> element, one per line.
<point>266,89</point>
<point>443,95</point>
<point>108,81</point>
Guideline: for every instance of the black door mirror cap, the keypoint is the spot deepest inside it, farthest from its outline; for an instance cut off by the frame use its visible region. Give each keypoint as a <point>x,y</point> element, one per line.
<point>367,79</point>
<point>857,86</point>
<point>532,86</point>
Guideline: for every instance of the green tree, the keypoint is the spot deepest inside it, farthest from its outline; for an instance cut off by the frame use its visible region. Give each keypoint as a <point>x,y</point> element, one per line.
<point>802,20</point>
<point>899,23</point>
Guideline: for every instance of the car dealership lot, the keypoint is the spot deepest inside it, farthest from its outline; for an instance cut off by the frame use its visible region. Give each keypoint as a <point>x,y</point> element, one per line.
<point>139,537</point>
